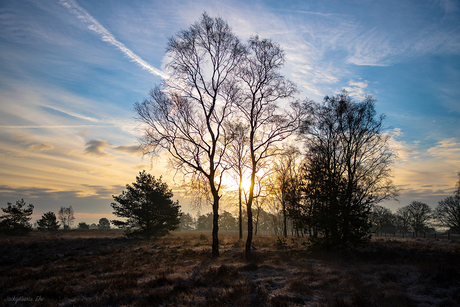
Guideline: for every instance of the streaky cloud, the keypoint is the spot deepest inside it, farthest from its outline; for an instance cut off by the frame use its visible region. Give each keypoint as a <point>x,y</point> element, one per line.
<point>95,26</point>
<point>49,126</point>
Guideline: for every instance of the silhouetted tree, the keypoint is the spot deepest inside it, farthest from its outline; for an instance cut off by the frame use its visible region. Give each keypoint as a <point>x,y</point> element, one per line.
<point>403,219</point>
<point>419,216</point>
<point>262,87</point>
<point>186,116</point>
<point>148,206</point>
<point>48,222</point>
<point>15,220</point>
<point>66,217</point>
<point>382,219</point>
<point>457,193</point>
<point>447,213</point>
<point>82,226</point>
<point>347,168</point>
<point>103,223</point>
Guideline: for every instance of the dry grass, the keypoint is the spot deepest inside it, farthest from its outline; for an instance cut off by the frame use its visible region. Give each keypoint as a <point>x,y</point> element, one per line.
<point>103,268</point>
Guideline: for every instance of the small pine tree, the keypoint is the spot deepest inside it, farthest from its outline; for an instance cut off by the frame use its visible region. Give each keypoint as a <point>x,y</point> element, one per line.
<point>48,222</point>
<point>16,219</point>
<point>148,206</point>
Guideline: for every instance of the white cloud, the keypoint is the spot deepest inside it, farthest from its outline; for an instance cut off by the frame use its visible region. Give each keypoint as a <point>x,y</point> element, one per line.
<point>357,89</point>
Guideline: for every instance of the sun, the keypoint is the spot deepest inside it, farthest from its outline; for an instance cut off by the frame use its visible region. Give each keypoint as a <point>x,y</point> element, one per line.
<point>232,184</point>
<point>246,184</point>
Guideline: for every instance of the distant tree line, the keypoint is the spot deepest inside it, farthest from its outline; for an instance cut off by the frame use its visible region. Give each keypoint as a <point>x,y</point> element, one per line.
<point>417,217</point>
<point>16,220</point>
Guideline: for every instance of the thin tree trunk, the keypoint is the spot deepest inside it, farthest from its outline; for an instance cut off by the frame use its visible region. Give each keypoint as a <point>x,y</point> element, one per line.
<point>215,226</point>
<point>284,218</point>
<point>240,217</point>
<point>250,228</point>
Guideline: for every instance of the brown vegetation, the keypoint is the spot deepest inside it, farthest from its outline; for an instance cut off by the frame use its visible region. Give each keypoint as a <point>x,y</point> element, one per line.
<point>81,268</point>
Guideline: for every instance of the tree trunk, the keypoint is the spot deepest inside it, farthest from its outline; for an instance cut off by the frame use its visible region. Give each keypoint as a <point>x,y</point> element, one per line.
<point>257,220</point>
<point>284,217</point>
<point>215,225</point>
<point>240,217</point>
<point>249,238</point>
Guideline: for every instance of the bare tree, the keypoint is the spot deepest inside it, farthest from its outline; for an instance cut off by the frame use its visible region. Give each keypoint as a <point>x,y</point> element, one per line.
<point>419,216</point>
<point>403,219</point>
<point>262,87</point>
<point>382,219</point>
<point>66,217</point>
<point>447,213</point>
<point>457,192</point>
<point>185,116</point>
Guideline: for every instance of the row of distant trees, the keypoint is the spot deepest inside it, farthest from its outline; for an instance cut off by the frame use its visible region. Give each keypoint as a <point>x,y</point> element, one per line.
<point>418,217</point>
<point>263,221</point>
<point>16,219</point>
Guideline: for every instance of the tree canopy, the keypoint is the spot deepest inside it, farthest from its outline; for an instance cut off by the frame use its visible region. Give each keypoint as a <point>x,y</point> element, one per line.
<point>15,220</point>
<point>148,208</point>
<point>48,222</point>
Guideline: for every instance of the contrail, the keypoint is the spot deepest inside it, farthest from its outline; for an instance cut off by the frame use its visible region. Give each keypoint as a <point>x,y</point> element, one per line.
<point>95,26</point>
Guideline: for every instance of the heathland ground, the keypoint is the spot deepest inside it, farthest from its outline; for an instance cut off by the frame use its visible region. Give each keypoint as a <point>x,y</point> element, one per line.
<point>102,268</point>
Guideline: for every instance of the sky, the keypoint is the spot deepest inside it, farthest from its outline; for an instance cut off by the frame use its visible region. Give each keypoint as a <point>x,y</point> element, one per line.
<point>71,71</point>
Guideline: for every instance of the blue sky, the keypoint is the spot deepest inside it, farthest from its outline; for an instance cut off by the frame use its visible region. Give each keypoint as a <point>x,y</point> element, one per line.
<point>70,72</point>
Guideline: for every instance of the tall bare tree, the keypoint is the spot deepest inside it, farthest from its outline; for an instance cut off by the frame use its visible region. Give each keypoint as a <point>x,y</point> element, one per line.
<point>262,88</point>
<point>185,116</point>
<point>420,215</point>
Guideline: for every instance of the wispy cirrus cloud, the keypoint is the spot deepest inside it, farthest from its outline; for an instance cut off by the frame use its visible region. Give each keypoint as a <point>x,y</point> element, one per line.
<point>96,27</point>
